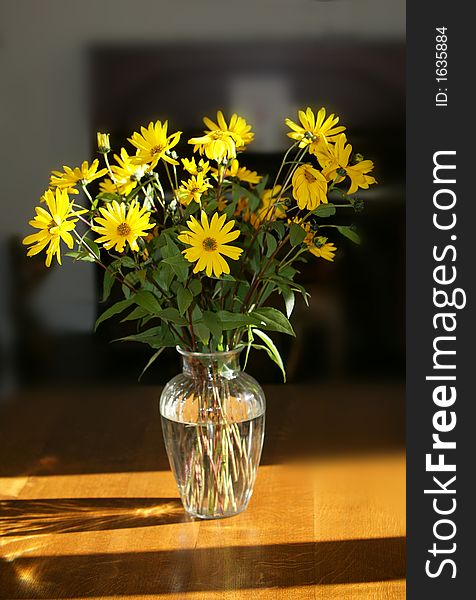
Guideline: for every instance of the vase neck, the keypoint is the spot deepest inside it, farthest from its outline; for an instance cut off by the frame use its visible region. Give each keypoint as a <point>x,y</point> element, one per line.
<point>213,365</point>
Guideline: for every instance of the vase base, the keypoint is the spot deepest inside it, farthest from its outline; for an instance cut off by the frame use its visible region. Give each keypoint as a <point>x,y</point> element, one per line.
<point>207,517</point>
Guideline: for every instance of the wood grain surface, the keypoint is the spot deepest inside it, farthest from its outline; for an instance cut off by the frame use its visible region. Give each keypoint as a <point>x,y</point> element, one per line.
<point>89,508</point>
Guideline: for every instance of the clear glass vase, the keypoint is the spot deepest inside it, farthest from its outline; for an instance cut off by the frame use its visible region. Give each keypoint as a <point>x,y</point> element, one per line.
<point>213,424</point>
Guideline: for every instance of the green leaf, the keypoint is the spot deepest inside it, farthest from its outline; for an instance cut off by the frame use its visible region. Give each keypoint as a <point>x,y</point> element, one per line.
<point>271,244</point>
<point>163,275</point>
<point>260,187</point>
<point>123,261</point>
<point>80,255</point>
<point>172,246</point>
<point>137,313</point>
<point>151,337</point>
<point>202,332</point>
<point>350,233</point>
<point>272,319</point>
<point>195,286</point>
<point>114,310</point>
<point>289,300</point>
<point>231,320</point>
<point>325,210</point>
<point>136,279</point>
<point>109,197</point>
<point>287,271</point>
<point>296,234</point>
<point>196,313</point>
<point>151,360</point>
<point>184,298</point>
<point>148,301</point>
<point>212,321</point>
<point>90,246</point>
<point>279,227</point>
<point>172,315</point>
<point>271,349</point>
<point>155,337</point>
<point>179,266</point>
<point>253,201</point>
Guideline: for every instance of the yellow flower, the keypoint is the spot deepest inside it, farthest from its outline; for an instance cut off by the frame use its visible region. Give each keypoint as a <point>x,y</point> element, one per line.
<point>153,144</point>
<point>243,209</point>
<point>120,223</point>
<point>193,189</point>
<point>270,208</point>
<point>108,186</point>
<point>321,248</point>
<point>238,127</point>
<point>221,204</point>
<point>334,161</point>
<point>126,173</point>
<point>242,173</point>
<point>216,145</point>
<point>208,242</point>
<point>191,166</point>
<point>67,179</point>
<point>54,225</point>
<point>317,245</point>
<point>309,187</point>
<point>104,145</point>
<point>314,130</point>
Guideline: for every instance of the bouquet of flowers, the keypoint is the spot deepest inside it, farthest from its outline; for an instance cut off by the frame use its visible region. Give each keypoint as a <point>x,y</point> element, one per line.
<point>199,245</point>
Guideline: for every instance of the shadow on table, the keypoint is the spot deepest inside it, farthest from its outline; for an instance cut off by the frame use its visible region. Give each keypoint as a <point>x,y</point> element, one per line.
<point>204,569</point>
<point>63,515</point>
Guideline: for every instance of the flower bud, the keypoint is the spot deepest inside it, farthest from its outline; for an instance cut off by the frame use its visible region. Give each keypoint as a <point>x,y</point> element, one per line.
<point>103,143</point>
<point>320,241</point>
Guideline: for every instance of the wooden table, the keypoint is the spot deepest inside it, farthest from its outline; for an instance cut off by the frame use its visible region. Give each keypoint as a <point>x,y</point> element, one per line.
<point>90,510</point>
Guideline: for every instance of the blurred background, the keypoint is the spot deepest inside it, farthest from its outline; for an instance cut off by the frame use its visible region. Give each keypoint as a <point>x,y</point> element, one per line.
<point>70,69</point>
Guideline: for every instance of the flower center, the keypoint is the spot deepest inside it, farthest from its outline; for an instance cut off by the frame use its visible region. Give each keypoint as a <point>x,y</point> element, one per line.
<point>123,229</point>
<point>309,177</point>
<point>156,150</point>
<point>55,222</point>
<point>219,135</point>
<point>209,244</point>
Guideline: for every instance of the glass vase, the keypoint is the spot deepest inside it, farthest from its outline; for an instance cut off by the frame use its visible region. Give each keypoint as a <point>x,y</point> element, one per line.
<point>213,424</point>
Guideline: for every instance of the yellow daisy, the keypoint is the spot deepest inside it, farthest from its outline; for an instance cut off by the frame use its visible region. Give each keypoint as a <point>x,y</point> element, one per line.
<point>84,174</point>
<point>193,189</point>
<point>309,187</point>
<point>154,144</point>
<point>126,173</point>
<point>54,225</point>
<point>243,209</point>
<point>108,186</point>
<point>238,127</point>
<point>216,145</point>
<point>314,129</point>
<point>316,245</point>
<point>208,242</point>
<point>221,203</point>
<point>270,208</point>
<point>334,161</point>
<point>242,173</point>
<point>191,166</point>
<point>320,247</point>
<point>120,223</point>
